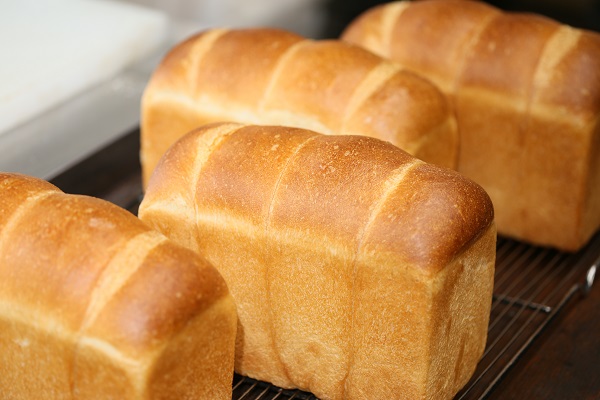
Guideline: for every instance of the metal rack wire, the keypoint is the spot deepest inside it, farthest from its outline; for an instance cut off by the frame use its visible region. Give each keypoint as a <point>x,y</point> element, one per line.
<point>532,285</point>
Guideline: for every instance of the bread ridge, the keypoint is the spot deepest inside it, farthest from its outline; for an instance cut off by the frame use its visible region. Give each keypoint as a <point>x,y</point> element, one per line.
<point>106,285</point>
<point>96,322</point>
<point>388,187</point>
<point>223,219</point>
<point>271,86</point>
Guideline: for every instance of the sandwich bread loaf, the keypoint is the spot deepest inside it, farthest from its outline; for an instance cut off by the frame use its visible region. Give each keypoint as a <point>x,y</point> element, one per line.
<point>359,271</point>
<point>96,305</point>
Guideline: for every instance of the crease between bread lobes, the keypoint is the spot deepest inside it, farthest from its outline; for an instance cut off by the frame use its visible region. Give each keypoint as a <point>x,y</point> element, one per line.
<point>275,77</point>
<point>95,304</point>
<point>526,93</point>
<point>355,267</point>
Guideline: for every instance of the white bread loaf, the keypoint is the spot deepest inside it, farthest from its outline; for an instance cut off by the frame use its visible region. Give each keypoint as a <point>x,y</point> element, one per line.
<point>274,77</point>
<point>526,91</point>
<point>96,305</point>
<point>359,271</point>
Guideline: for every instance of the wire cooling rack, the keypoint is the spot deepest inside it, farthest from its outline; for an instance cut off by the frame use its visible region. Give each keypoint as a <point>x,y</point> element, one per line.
<point>531,286</point>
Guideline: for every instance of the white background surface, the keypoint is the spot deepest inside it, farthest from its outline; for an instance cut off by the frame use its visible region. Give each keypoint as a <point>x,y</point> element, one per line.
<point>61,95</point>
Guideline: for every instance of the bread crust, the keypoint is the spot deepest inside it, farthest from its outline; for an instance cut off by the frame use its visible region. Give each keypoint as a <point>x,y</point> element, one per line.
<point>95,304</point>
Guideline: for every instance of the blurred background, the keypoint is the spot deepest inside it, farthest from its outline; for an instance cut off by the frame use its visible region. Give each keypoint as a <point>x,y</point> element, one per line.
<point>72,72</point>
<point>327,18</point>
<point>580,13</point>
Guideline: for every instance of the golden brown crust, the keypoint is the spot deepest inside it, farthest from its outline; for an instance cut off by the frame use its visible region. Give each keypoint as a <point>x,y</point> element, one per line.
<point>239,66</point>
<point>182,285</point>
<point>329,228</point>
<point>422,237</point>
<point>273,77</point>
<point>526,91</point>
<point>101,290</point>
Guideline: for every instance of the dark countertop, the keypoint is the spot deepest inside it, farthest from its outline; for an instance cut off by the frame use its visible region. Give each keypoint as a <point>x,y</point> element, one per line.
<point>564,361</point>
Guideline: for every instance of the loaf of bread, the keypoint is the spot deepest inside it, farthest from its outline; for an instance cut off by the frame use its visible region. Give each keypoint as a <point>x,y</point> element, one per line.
<point>359,271</point>
<point>274,77</point>
<point>96,305</point>
<point>526,91</point>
